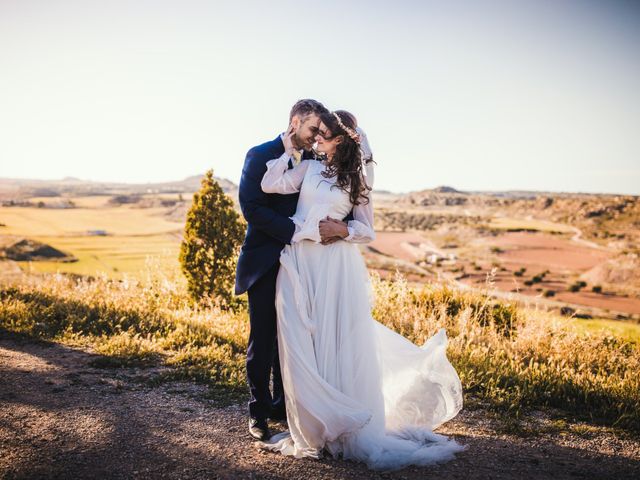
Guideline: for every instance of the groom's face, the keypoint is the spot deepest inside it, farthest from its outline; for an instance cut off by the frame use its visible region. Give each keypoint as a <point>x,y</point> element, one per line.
<point>307,130</point>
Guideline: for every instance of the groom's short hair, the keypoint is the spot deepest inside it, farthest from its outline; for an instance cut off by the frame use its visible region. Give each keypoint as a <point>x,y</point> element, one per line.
<point>306,107</point>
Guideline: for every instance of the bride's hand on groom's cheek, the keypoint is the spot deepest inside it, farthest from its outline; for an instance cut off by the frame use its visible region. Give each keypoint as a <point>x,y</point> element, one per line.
<point>288,137</point>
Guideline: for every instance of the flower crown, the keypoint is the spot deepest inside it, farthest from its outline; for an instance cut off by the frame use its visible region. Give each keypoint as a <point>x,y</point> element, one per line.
<point>354,136</point>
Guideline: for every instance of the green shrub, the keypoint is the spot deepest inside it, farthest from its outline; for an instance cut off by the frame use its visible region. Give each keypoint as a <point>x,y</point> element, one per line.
<point>212,237</point>
<point>577,286</point>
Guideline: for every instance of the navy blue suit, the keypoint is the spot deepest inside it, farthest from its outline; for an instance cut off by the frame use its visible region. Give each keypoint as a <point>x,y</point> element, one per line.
<point>267,215</point>
<point>269,229</point>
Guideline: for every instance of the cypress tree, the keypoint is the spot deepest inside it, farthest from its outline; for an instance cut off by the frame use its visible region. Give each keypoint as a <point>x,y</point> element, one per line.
<point>213,234</point>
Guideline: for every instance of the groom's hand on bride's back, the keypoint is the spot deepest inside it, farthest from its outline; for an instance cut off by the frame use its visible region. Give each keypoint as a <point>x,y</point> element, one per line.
<point>332,230</point>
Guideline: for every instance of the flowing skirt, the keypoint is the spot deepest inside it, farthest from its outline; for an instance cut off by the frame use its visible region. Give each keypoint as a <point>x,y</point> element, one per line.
<point>354,387</point>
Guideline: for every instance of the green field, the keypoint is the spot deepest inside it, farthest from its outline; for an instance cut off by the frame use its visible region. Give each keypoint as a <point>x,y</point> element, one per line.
<point>627,331</point>
<point>506,223</point>
<point>113,256</point>
<point>134,236</point>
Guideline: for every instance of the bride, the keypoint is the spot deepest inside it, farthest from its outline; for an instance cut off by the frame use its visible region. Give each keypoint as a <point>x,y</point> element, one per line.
<point>354,388</point>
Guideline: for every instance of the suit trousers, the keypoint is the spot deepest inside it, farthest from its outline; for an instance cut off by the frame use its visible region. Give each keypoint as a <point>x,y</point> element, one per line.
<point>262,351</point>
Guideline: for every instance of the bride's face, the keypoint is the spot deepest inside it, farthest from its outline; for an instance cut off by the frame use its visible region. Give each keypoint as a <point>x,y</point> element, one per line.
<point>325,141</point>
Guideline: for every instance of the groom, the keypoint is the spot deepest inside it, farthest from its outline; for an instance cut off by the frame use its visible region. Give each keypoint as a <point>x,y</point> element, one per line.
<point>269,229</point>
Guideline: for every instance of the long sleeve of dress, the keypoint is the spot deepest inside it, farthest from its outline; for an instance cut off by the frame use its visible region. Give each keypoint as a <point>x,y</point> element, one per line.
<point>280,179</point>
<point>361,227</point>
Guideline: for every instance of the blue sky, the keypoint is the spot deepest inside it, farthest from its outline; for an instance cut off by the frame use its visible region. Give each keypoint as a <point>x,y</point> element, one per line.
<point>479,95</point>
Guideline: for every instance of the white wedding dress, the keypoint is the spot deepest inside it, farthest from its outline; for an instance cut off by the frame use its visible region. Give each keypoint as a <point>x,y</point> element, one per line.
<point>352,386</point>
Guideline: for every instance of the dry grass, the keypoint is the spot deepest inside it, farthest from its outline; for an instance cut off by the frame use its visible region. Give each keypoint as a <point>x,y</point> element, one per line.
<point>516,358</point>
<point>507,357</point>
<point>131,322</point>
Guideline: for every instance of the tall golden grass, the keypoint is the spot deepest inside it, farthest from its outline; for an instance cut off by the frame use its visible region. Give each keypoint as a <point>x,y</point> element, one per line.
<point>514,358</point>
<point>508,357</point>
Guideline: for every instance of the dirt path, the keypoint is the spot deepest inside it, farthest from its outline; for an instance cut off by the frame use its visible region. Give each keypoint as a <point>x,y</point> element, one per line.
<point>577,238</point>
<point>62,418</point>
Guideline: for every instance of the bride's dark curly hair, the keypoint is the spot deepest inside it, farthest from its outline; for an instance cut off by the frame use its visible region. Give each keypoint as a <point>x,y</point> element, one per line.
<point>346,164</point>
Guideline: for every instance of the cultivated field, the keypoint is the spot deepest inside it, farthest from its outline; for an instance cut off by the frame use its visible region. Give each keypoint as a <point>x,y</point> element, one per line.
<point>579,252</point>
<point>105,239</point>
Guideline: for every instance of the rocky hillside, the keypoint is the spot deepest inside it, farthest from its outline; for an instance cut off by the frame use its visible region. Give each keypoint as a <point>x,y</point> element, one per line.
<point>26,249</point>
<point>606,218</point>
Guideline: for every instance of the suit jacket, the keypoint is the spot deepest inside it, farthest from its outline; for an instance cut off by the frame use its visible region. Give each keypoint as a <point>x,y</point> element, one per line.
<point>267,214</point>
